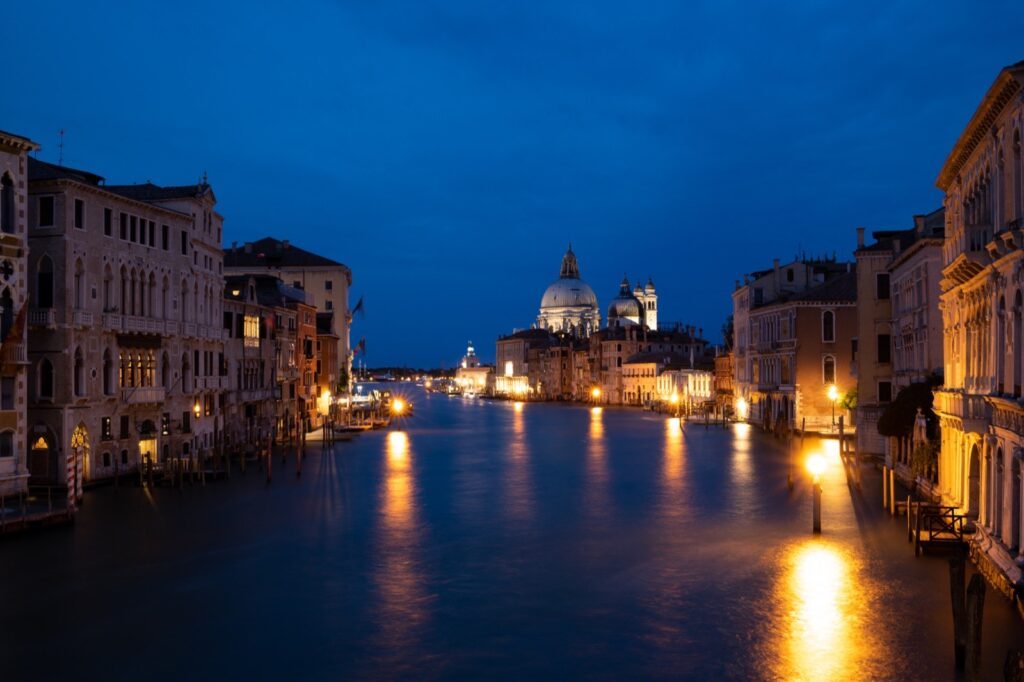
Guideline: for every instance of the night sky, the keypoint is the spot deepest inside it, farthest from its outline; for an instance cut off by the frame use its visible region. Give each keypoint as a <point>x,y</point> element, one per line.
<point>448,153</point>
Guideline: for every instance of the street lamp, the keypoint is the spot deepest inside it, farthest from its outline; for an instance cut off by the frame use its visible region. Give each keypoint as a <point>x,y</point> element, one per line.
<point>833,395</point>
<point>595,394</point>
<point>398,407</point>
<point>675,402</point>
<point>816,467</point>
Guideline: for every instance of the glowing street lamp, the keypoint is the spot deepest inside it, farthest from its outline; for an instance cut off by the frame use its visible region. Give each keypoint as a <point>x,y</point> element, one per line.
<point>397,407</point>
<point>741,409</point>
<point>833,395</point>
<point>675,402</point>
<point>595,394</point>
<point>816,467</point>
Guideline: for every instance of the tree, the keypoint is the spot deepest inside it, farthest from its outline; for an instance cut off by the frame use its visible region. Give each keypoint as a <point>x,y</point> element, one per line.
<point>897,419</point>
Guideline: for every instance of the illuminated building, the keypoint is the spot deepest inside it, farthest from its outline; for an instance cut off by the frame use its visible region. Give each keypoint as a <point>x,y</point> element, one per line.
<point>569,304</point>
<point>982,304</point>
<point>898,330</point>
<point>472,376</point>
<point>327,281</point>
<point>15,438</point>
<point>125,329</point>
<point>794,331</point>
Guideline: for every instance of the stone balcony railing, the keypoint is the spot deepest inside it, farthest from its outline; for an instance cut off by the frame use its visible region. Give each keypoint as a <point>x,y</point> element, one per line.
<point>42,317</point>
<point>81,318</point>
<point>967,407</point>
<point>188,329</point>
<point>143,395</point>
<point>111,322</point>
<point>142,325</point>
<point>15,354</point>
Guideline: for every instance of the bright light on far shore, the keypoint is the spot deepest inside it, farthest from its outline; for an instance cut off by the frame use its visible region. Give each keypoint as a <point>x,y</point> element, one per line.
<point>595,393</point>
<point>398,406</point>
<point>741,408</point>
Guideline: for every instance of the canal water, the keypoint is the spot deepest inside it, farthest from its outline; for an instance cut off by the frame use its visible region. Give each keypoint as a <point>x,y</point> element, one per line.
<point>489,539</point>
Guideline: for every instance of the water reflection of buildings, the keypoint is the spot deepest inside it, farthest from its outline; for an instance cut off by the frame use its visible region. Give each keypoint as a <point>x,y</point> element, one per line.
<point>672,474</point>
<point>518,486</point>
<point>402,608</point>
<point>596,482</point>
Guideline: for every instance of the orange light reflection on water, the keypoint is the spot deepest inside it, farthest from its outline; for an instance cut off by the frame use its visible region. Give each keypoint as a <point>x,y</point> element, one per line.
<point>397,576</point>
<point>823,633</point>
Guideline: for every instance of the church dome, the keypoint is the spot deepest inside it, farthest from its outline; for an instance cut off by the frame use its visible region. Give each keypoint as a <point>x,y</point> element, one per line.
<point>568,292</point>
<point>569,304</point>
<point>625,306</point>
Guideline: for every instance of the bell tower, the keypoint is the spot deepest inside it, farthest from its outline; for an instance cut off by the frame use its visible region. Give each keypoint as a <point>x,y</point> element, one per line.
<point>650,301</point>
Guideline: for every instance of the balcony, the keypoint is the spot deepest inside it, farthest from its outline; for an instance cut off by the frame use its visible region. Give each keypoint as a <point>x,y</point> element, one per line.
<point>973,410</point>
<point>15,354</point>
<point>171,328</point>
<point>81,318</point>
<point>143,395</point>
<point>111,322</point>
<point>142,325</point>
<point>188,329</point>
<point>42,317</point>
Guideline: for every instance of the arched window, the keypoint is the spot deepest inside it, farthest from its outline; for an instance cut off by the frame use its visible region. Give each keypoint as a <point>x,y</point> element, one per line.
<point>124,290</point>
<point>6,313</point>
<point>828,369</point>
<point>79,378</point>
<point>108,288</point>
<point>132,292</point>
<point>828,326</point>
<point>108,373</point>
<point>45,379</point>
<point>151,301</point>
<point>186,374</point>
<point>44,283</point>
<point>185,316</point>
<point>79,284</point>
<point>7,204</point>
<point>165,371</point>
<point>165,300</point>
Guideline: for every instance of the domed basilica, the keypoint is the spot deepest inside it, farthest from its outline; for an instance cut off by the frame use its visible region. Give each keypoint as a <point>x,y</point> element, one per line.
<point>569,304</point>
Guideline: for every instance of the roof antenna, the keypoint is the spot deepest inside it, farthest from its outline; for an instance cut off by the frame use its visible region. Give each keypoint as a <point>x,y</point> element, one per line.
<point>60,147</point>
<point>204,178</point>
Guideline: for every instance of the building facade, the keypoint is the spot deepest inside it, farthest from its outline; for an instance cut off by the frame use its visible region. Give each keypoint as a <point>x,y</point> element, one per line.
<point>795,326</point>
<point>15,437</point>
<point>982,304</point>
<point>124,325</point>
<point>327,281</point>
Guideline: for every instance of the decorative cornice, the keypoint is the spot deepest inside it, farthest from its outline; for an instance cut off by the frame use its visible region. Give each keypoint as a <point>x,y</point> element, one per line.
<point>1006,85</point>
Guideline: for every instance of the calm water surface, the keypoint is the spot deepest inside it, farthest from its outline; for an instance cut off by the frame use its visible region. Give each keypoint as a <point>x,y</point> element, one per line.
<point>487,539</point>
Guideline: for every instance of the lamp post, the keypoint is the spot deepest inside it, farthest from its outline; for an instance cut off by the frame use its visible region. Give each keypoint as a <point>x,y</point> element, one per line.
<point>595,394</point>
<point>833,395</point>
<point>675,402</point>
<point>816,466</point>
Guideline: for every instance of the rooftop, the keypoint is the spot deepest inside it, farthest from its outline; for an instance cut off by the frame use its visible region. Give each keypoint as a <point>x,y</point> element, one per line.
<point>274,253</point>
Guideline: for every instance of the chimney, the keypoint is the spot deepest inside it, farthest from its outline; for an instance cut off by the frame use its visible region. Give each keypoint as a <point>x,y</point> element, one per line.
<point>248,247</point>
<point>234,247</point>
<point>737,283</point>
<point>896,246</point>
<point>860,237</point>
<point>700,333</point>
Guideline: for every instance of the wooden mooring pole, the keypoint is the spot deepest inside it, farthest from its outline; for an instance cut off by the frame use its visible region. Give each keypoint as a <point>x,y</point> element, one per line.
<point>975,609</point>
<point>957,595</point>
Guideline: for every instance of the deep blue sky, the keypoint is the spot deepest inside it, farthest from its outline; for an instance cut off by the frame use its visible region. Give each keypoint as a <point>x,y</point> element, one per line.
<point>447,152</point>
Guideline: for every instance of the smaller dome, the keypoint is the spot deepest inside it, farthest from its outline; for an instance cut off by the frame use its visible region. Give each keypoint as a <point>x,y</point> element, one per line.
<point>624,307</point>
